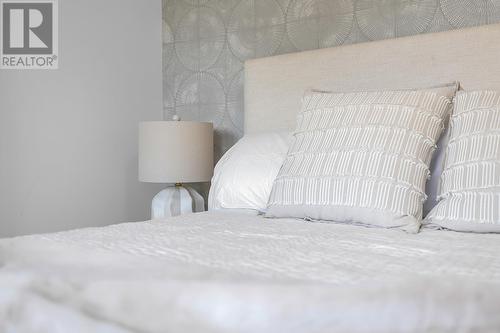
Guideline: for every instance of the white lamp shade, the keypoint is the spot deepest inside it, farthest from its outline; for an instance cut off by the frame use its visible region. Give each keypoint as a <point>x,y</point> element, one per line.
<point>175,151</point>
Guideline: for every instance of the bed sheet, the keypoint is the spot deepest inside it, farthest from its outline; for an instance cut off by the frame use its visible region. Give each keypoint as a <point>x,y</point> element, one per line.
<point>228,272</point>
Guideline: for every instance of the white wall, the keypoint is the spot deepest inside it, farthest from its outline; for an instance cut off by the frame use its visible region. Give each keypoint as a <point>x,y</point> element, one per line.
<point>68,138</point>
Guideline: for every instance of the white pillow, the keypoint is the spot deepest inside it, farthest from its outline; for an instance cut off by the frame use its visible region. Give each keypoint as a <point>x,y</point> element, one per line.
<point>244,177</point>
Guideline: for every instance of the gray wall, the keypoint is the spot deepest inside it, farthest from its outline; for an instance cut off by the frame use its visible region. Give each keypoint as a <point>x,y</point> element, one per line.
<point>206,42</point>
<point>68,138</point>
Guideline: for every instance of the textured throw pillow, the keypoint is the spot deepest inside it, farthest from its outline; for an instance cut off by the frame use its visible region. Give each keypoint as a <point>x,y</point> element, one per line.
<point>437,162</point>
<point>362,157</point>
<point>470,183</point>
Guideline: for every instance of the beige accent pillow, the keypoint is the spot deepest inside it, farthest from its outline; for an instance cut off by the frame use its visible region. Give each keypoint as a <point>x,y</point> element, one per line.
<point>470,183</point>
<point>362,157</point>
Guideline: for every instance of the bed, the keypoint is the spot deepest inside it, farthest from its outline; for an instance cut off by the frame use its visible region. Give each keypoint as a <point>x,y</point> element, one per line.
<point>224,271</point>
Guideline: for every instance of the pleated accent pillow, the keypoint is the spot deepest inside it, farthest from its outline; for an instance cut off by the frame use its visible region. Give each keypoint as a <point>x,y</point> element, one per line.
<point>470,183</point>
<point>362,157</point>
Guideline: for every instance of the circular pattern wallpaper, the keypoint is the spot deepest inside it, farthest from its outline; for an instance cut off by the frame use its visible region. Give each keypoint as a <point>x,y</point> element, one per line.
<point>468,13</point>
<point>235,102</point>
<point>201,97</point>
<point>196,2</point>
<point>255,28</point>
<point>168,44</point>
<point>316,24</point>
<point>205,43</point>
<point>200,38</point>
<point>392,18</point>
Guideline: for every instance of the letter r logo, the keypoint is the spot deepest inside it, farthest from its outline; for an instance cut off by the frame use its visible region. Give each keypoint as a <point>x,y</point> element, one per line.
<point>27,27</point>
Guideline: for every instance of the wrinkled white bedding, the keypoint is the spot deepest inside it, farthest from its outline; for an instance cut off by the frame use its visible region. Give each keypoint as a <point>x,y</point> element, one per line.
<point>223,272</point>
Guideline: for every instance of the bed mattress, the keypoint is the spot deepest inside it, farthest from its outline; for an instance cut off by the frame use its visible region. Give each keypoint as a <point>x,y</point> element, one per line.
<point>228,272</point>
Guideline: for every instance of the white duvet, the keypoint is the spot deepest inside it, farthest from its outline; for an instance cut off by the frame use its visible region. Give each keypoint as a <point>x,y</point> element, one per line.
<point>222,272</point>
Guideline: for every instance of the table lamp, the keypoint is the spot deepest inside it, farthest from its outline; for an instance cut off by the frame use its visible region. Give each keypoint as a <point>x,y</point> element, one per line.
<point>175,152</point>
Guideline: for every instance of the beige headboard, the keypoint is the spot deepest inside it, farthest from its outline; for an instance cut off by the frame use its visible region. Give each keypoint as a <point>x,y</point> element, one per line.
<point>275,85</point>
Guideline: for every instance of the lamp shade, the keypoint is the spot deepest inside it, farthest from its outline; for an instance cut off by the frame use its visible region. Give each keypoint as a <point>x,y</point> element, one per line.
<point>175,151</point>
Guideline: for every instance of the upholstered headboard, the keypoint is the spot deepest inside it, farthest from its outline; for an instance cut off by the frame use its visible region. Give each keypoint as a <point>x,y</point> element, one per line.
<point>275,85</point>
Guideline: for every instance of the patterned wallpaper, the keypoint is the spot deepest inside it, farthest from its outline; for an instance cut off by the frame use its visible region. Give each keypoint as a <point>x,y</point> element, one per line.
<point>205,43</point>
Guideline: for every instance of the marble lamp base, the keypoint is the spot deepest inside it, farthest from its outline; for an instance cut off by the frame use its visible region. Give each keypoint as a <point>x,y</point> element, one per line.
<point>176,200</point>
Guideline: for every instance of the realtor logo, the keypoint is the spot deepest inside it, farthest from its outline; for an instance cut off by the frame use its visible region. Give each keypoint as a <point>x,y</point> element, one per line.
<point>29,34</point>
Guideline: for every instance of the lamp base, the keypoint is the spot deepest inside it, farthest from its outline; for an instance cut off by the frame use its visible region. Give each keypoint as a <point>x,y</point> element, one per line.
<point>176,200</point>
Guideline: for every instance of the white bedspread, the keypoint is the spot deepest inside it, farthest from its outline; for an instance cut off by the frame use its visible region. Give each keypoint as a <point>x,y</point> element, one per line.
<point>221,272</point>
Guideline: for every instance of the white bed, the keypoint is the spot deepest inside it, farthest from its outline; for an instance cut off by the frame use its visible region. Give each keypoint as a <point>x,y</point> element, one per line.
<point>226,272</point>
<point>230,272</point>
